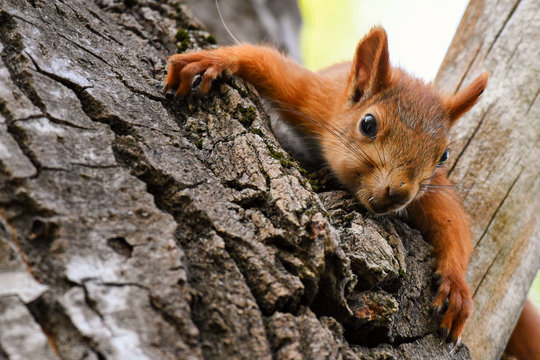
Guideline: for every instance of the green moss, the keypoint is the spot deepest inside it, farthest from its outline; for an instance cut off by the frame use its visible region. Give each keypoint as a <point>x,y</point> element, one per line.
<point>198,144</point>
<point>272,152</point>
<point>182,38</point>
<point>251,113</point>
<point>256,131</point>
<point>314,184</point>
<point>402,273</point>
<point>181,47</point>
<point>211,39</point>
<point>248,116</point>
<point>266,177</point>
<point>181,35</point>
<point>279,156</point>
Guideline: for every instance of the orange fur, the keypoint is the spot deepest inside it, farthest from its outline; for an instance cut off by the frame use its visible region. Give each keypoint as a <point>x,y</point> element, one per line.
<point>441,218</point>
<point>395,169</point>
<point>524,343</point>
<point>461,102</point>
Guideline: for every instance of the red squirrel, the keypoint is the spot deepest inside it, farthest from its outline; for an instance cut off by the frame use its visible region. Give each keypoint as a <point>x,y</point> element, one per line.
<point>383,133</point>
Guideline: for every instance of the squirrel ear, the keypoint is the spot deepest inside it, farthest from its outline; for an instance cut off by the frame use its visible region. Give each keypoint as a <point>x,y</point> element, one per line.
<point>459,103</point>
<point>371,66</point>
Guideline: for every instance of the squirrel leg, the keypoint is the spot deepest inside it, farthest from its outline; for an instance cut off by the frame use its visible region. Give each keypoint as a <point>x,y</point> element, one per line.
<point>439,215</point>
<point>523,343</point>
<point>299,93</point>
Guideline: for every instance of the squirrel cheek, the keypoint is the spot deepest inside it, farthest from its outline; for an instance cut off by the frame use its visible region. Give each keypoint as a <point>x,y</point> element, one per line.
<point>342,166</point>
<point>415,191</point>
<point>363,188</point>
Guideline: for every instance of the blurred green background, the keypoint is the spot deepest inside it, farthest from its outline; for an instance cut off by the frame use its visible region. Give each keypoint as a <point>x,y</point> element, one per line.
<point>419,33</point>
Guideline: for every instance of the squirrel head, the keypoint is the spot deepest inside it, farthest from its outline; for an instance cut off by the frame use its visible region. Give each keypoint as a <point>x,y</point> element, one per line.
<point>390,134</point>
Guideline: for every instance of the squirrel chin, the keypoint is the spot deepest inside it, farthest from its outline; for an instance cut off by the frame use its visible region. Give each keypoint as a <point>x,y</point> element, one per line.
<point>392,209</point>
<point>375,209</point>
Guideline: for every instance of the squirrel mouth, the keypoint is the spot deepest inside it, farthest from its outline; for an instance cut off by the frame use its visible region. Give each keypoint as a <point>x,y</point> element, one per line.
<point>383,209</point>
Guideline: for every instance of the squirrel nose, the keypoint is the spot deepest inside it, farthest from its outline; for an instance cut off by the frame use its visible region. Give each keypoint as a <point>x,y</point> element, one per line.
<point>397,195</point>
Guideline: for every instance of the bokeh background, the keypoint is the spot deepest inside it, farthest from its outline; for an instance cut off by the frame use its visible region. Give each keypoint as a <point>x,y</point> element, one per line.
<point>419,33</point>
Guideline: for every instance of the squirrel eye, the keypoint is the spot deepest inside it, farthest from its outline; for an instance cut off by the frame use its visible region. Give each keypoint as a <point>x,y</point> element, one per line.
<point>368,126</point>
<point>443,158</point>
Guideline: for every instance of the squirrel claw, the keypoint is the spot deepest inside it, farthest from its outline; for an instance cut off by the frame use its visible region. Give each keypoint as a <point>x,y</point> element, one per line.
<point>444,332</point>
<point>437,309</point>
<point>184,67</point>
<point>454,292</point>
<point>436,280</point>
<point>166,89</point>
<point>455,345</point>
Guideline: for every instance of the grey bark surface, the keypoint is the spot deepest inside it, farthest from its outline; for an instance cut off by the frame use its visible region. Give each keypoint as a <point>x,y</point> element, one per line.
<point>496,163</point>
<point>136,227</point>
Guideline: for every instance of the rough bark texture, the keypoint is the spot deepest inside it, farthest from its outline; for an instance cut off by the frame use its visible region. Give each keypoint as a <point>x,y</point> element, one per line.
<point>134,227</point>
<point>496,161</point>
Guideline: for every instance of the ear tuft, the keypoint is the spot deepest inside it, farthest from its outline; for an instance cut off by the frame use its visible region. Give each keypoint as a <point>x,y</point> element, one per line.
<point>461,102</point>
<point>370,72</point>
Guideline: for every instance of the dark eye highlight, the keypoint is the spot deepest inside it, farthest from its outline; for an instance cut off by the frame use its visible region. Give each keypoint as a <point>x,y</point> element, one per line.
<point>368,126</point>
<point>443,158</point>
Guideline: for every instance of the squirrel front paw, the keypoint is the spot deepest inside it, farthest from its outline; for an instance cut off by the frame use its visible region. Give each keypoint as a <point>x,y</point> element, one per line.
<point>184,67</point>
<point>454,291</point>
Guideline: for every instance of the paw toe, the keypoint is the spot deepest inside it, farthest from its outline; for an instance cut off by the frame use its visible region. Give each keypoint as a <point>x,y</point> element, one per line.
<point>457,295</point>
<point>208,77</point>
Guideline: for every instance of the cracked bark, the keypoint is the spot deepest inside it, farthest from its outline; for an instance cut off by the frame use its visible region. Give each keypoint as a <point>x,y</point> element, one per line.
<point>134,227</point>
<point>497,168</point>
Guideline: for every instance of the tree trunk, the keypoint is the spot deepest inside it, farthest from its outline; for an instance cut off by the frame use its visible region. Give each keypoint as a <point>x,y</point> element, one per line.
<point>496,161</point>
<point>136,227</point>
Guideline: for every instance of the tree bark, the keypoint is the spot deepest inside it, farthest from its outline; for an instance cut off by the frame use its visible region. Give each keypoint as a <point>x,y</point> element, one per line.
<point>496,161</point>
<point>137,227</point>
